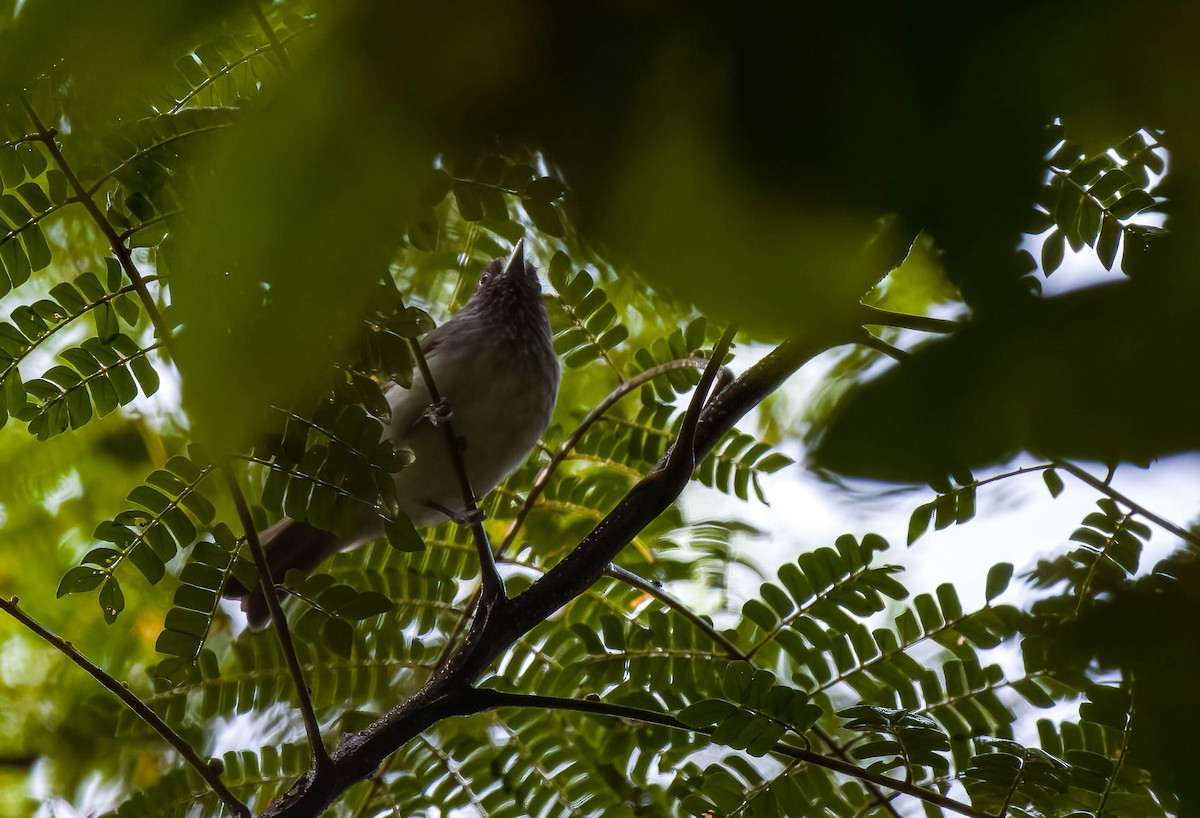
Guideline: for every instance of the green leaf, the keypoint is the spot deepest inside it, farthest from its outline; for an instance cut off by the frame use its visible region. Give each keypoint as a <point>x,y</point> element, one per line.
<point>998,578</point>
<point>37,251</point>
<point>337,636</point>
<point>545,217</point>
<point>1053,482</point>
<point>12,171</point>
<point>705,713</point>
<point>402,534</point>
<point>545,189</point>
<point>1132,202</point>
<point>736,682</point>
<point>111,600</point>
<point>365,605</point>
<point>1053,250</point>
<point>918,523</point>
<point>80,579</point>
<point>34,196</point>
<point>177,643</point>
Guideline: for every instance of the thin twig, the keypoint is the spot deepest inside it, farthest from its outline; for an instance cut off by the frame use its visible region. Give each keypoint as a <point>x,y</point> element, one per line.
<point>496,699</point>
<point>683,453</point>
<point>879,345</point>
<point>207,771</point>
<point>660,593</point>
<point>321,761</point>
<point>273,38</point>
<point>1103,487</point>
<point>490,582</point>
<point>887,318</point>
<point>47,137</point>
<point>565,448</point>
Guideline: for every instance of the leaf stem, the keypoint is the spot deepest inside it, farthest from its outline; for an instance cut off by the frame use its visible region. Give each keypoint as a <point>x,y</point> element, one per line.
<point>272,38</point>
<point>900,320</point>
<point>206,770</point>
<point>47,137</point>
<point>662,595</point>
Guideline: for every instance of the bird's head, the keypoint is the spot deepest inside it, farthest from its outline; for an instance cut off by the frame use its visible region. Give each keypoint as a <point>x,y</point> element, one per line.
<point>509,286</point>
<point>512,273</point>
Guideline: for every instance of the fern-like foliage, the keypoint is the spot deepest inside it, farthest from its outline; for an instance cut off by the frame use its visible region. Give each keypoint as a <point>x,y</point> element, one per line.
<point>166,512</point>
<point>482,188</point>
<point>1108,550</point>
<point>254,776</point>
<point>899,739</point>
<point>25,202</point>
<point>210,565</point>
<point>1090,199</point>
<point>834,656</point>
<point>326,469</point>
<point>756,713</point>
<point>101,373</point>
<point>584,319</point>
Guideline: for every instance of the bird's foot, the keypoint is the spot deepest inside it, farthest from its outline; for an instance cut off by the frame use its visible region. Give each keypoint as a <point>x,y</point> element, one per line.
<point>475,515</point>
<point>440,412</point>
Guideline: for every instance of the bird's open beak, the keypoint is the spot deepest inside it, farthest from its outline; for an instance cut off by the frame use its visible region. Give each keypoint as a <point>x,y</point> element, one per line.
<point>516,262</point>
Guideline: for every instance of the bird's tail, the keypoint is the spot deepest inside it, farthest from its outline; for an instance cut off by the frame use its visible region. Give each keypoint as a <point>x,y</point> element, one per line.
<point>288,544</point>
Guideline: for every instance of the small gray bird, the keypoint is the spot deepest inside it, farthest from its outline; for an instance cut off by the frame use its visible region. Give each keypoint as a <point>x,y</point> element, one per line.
<point>494,363</point>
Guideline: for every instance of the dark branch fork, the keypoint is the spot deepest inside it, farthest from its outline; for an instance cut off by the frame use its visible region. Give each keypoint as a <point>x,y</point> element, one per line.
<point>450,691</point>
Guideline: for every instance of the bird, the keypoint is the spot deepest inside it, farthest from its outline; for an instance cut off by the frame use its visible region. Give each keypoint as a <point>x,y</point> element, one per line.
<point>494,365</point>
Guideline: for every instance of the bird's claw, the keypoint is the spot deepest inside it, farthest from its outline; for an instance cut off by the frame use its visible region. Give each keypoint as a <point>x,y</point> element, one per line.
<point>472,517</point>
<point>439,412</point>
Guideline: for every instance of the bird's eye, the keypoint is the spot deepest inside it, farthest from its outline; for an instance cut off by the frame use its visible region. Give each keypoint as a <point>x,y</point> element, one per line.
<point>484,277</point>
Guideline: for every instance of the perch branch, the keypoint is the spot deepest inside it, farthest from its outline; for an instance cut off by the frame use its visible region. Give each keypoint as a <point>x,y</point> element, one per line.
<point>448,691</point>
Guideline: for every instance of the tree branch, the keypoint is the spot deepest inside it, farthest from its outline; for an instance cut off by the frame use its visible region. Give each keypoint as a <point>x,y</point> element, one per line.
<point>576,572</point>
<point>1104,488</point>
<point>139,708</point>
<point>320,755</point>
<point>568,445</point>
<point>448,692</point>
<point>495,699</point>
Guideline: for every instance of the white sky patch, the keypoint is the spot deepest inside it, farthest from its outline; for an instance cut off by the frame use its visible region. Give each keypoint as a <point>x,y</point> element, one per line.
<point>67,488</point>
